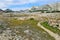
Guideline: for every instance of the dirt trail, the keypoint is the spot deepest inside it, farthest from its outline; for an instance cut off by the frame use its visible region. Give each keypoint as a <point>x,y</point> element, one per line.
<point>56,36</point>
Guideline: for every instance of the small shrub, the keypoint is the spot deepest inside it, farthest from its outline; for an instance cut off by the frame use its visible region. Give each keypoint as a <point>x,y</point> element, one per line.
<point>31,18</point>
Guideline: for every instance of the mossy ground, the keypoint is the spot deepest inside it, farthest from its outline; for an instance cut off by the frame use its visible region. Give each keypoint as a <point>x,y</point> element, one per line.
<point>32,26</point>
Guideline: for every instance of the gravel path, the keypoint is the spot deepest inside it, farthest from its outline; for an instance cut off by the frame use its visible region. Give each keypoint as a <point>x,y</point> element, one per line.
<point>56,36</point>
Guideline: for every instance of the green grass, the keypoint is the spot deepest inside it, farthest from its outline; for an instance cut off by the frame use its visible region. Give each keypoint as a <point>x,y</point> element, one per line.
<point>30,22</point>
<point>1,26</point>
<point>33,26</point>
<point>54,29</point>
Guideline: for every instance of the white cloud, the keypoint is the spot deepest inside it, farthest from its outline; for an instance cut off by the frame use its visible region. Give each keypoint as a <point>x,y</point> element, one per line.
<point>21,2</point>
<point>14,2</point>
<point>2,5</point>
<point>5,3</point>
<point>27,1</point>
<point>17,9</point>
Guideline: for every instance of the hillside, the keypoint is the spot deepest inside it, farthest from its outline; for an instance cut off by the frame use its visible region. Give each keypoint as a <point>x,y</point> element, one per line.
<point>47,7</point>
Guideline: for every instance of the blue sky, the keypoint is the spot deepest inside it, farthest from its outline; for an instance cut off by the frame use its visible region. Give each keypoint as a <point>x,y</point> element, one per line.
<point>23,4</point>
